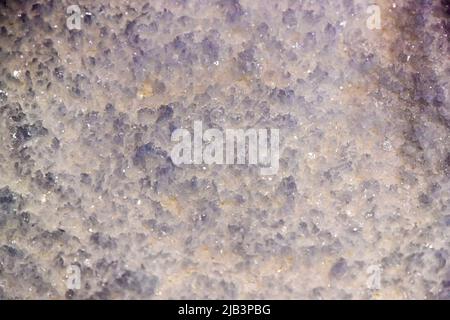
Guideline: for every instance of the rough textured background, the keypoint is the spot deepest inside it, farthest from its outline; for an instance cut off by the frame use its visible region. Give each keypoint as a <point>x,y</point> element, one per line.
<point>86,118</point>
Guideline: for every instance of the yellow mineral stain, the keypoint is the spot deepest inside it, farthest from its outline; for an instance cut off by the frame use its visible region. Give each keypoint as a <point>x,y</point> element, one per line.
<point>146,89</point>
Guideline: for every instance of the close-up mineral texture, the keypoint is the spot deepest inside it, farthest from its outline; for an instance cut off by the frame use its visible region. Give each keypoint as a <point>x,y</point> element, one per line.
<point>224,149</point>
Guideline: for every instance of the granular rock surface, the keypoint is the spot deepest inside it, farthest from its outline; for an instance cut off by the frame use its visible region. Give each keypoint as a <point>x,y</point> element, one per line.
<point>358,209</point>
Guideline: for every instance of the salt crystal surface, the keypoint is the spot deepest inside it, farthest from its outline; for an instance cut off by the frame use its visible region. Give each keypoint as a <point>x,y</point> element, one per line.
<point>87,181</point>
